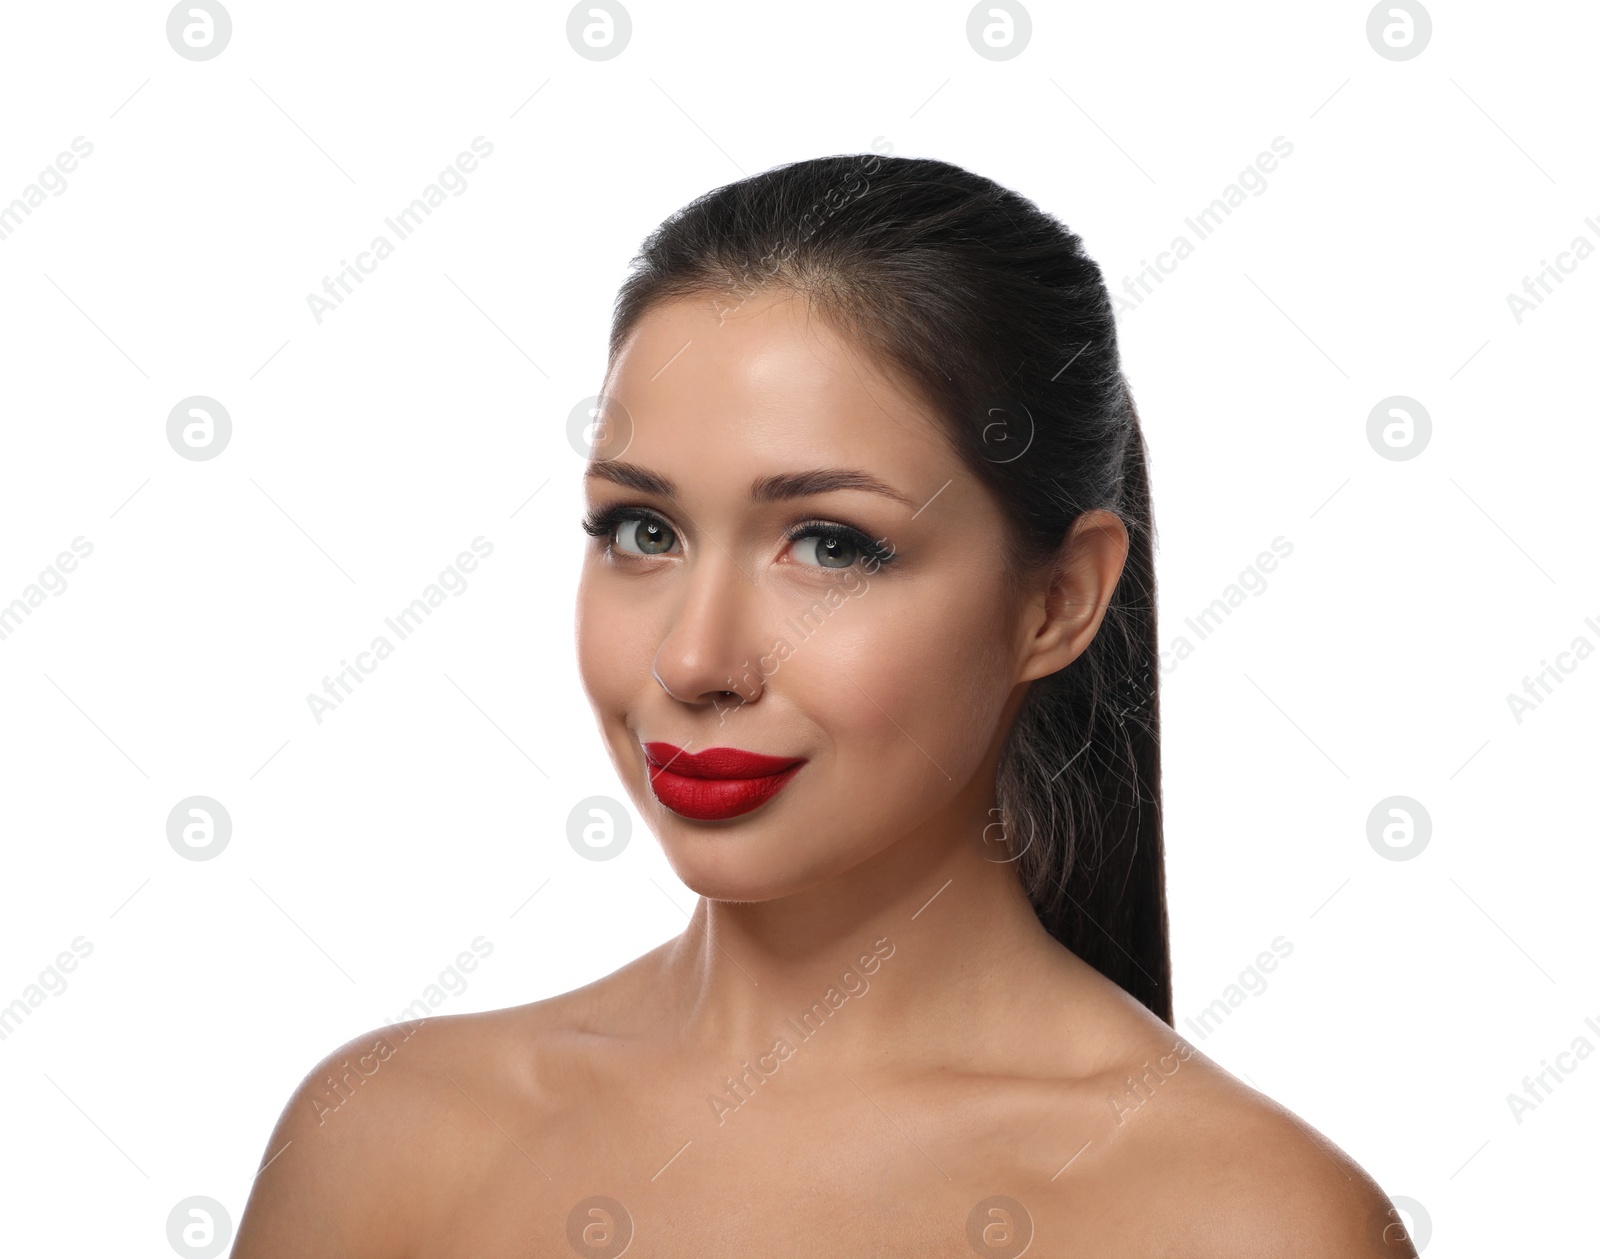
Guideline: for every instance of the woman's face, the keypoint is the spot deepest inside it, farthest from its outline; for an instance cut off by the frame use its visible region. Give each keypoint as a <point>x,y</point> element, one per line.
<point>878,648</point>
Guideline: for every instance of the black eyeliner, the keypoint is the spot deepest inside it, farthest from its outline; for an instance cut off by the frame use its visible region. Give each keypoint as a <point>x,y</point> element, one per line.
<point>879,554</point>
<point>601,522</point>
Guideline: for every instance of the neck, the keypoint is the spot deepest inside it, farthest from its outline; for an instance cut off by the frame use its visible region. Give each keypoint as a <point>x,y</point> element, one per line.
<point>915,955</point>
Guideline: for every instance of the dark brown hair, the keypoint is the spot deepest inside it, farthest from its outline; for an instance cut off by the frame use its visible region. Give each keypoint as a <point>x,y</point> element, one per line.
<point>992,310</point>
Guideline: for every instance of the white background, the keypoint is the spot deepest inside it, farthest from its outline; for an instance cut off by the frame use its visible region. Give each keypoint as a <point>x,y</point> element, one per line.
<point>430,408</point>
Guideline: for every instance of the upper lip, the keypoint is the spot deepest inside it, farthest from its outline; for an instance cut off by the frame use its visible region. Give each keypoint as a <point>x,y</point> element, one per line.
<point>717,762</point>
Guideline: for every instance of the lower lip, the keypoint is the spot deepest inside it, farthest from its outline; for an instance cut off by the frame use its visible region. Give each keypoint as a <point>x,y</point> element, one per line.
<point>713,799</point>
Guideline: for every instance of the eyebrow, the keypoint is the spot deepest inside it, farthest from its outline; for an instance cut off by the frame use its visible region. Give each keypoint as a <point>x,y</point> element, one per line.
<point>768,489</point>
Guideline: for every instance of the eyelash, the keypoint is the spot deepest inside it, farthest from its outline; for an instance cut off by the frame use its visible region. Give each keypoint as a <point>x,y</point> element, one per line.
<point>603,522</point>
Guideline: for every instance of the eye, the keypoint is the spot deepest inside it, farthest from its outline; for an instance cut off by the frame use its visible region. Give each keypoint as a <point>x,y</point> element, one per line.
<point>814,544</point>
<point>819,545</point>
<point>630,530</point>
<point>826,550</point>
<point>643,535</point>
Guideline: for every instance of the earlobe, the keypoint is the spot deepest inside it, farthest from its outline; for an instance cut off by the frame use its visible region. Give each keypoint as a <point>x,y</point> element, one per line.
<point>1067,612</point>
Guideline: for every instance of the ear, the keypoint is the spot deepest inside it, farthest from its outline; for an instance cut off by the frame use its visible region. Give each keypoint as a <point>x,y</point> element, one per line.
<point>1068,599</point>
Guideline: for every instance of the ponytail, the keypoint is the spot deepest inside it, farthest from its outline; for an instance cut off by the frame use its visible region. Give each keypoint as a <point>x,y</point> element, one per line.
<point>1079,782</point>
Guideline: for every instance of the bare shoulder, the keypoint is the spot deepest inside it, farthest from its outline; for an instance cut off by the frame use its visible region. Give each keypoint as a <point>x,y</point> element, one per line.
<point>384,1129</point>
<point>1276,1185</point>
<point>1241,1175</point>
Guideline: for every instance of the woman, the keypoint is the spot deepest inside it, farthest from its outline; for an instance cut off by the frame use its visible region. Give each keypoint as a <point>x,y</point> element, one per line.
<point>867,621</point>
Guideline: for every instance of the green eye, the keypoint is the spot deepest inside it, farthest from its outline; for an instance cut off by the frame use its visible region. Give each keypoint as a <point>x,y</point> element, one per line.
<point>815,544</point>
<point>631,531</point>
<point>642,535</point>
<point>827,550</point>
<point>818,544</point>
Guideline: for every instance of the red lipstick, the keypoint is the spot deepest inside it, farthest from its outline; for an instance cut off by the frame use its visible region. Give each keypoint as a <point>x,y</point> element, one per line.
<point>717,783</point>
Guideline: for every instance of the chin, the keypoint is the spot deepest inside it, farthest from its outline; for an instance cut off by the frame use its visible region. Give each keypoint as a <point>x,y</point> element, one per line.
<point>724,864</point>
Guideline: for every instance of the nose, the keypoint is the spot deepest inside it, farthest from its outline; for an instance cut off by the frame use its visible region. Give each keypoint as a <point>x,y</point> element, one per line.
<point>706,656</point>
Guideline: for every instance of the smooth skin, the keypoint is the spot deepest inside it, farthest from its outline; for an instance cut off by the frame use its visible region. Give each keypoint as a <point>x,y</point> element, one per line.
<point>955,1051</point>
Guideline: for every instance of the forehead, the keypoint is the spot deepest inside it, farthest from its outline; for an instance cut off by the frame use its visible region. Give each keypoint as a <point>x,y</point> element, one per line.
<point>768,384</point>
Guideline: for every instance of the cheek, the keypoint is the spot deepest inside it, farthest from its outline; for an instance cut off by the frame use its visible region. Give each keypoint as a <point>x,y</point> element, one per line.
<point>610,648</point>
<point>910,690</point>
